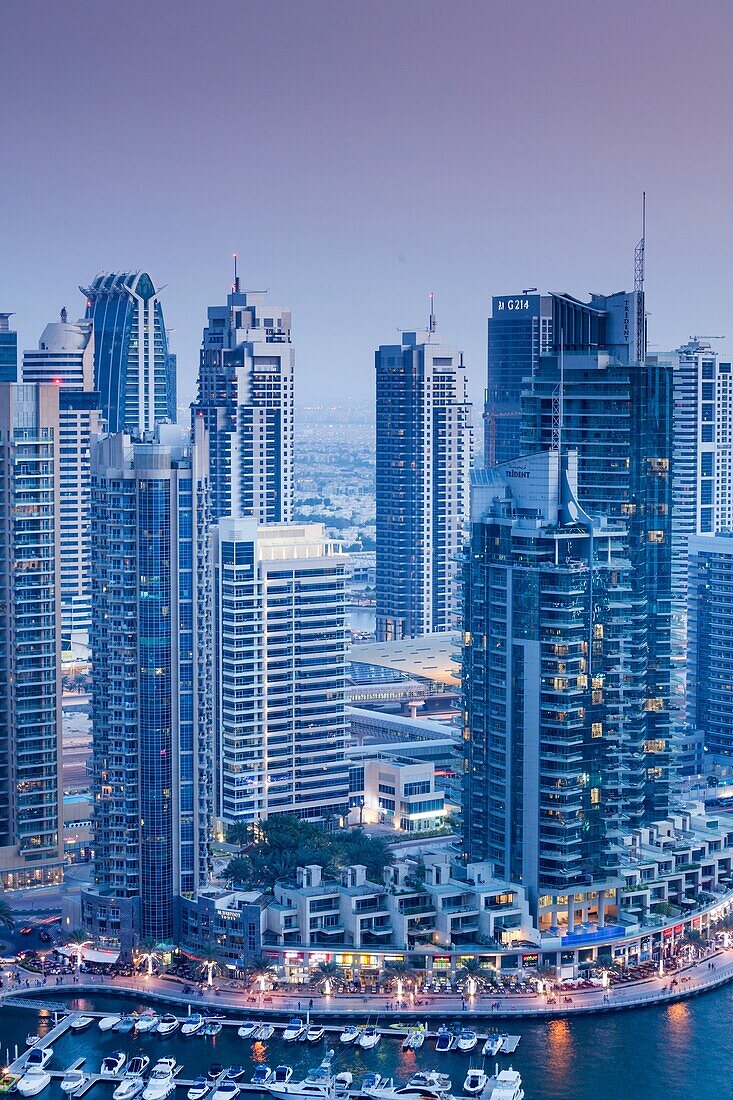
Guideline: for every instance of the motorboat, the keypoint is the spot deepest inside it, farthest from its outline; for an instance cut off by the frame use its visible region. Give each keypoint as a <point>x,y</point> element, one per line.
<point>445,1041</point>
<point>212,1027</point>
<point>371,1081</point>
<point>342,1082</point>
<point>414,1039</point>
<point>31,1040</point>
<point>466,1040</point>
<point>282,1075</point>
<point>128,1088</point>
<point>73,1081</point>
<point>227,1090</point>
<point>261,1075</point>
<point>108,1022</point>
<point>199,1089</point>
<point>34,1081</point>
<point>167,1024</point>
<point>264,1033</point>
<point>234,1073</point>
<point>112,1064</point>
<point>430,1079</point>
<point>162,1081</point>
<point>147,1022</point>
<point>350,1034</point>
<point>305,1090</point>
<point>215,1070</point>
<point>369,1038</point>
<point>293,1030</point>
<point>387,1090</point>
<point>492,1046</point>
<point>507,1085</point>
<point>81,1023</point>
<point>248,1029</point>
<point>475,1083</point>
<point>39,1057</point>
<point>193,1024</point>
<point>315,1033</point>
<point>125,1025</point>
<point>137,1066</point>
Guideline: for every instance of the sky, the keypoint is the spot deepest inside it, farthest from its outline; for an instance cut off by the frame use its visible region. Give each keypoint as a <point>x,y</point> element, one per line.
<point>359,154</point>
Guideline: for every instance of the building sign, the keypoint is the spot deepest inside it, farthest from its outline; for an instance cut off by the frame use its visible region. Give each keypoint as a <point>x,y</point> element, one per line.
<point>530,960</point>
<point>512,304</point>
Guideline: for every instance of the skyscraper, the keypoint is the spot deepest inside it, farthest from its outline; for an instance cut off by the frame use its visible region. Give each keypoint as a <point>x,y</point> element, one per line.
<point>132,368</point>
<point>246,398</point>
<point>524,327</point>
<point>65,357</point>
<point>280,613</point>
<point>550,680</point>
<point>709,652</point>
<point>423,462</point>
<point>151,681</point>
<point>31,843</point>
<point>8,350</point>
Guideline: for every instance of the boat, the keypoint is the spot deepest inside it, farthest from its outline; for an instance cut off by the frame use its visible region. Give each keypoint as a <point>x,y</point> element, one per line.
<point>507,1085</point>
<point>147,1022</point>
<point>342,1082</point>
<point>162,1081</point>
<point>198,1089</point>
<point>475,1083</point>
<point>31,1040</point>
<point>167,1024</point>
<point>212,1027</point>
<point>81,1023</point>
<point>315,1033</point>
<point>193,1024</point>
<point>261,1075</point>
<point>445,1041</point>
<point>39,1057</point>
<point>108,1022</point>
<point>282,1075</point>
<point>264,1033</point>
<point>305,1090</point>
<point>234,1073</point>
<point>414,1039</point>
<point>430,1079</point>
<point>227,1090</point>
<point>34,1081</point>
<point>371,1081</point>
<point>492,1046</point>
<point>125,1025</point>
<point>112,1064</point>
<point>128,1088</point>
<point>387,1090</point>
<point>369,1038</point>
<point>466,1040</point>
<point>74,1081</point>
<point>293,1030</point>
<point>215,1070</point>
<point>137,1065</point>
<point>248,1029</point>
<point>350,1034</point>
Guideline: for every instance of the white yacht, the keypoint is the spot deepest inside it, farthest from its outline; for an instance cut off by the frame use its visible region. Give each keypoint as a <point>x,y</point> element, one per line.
<point>369,1038</point>
<point>227,1090</point>
<point>248,1029</point>
<point>39,1057</point>
<point>445,1041</point>
<point>137,1066</point>
<point>342,1082</point>
<point>108,1022</point>
<point>34,1081</point>
<point>261,1075</point>
<point>492,1046</point>
<point>281,1075</point>
<point>414,1039</point>
<point>350,1034</point>
<point>264,1033</point>
<point>304,1090</point>
<point>128,1088</point>
<point>198,1089</point>
<point>466,1040</point>
<point>430,1079</point>
<point>193,1024</point>
<point>315,1033</point>
<point>293,1030</point>
<point>74,1081</point>
<point>112,1064</point>
<point>162,1081</point>
<point>507,1085</point>
<point>81,1023</point>
<point>387,1090</point>
<point>167,1024</point>
<point>475,1083</point>
<point>148,1021</point>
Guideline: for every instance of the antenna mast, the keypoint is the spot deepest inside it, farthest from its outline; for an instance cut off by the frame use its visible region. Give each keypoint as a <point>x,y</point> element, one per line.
<point>431,323</point>
<point>639,286</point>
<point>558,407</point>
<point>235,287</point>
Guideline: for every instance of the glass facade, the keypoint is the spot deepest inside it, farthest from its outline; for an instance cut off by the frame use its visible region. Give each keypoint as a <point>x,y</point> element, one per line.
<point>8,350</point>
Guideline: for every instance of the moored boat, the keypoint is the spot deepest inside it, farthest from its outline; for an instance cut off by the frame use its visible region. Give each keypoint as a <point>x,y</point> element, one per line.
<point>198,1090</point>
<point>466,1040</point>
<point>193,1024</point>
<point>293,1030</point>
<point>162,1080</point>
<point>507,1085</point>
<point>227,1090</point>
<point>315,1033</point>
<point>108,1022</point>
<point>261,1075</point>
<point>492,1046</point>
<point>34,1081</point>
<point>73,1081</point>
<point>248,1029</point>
<point>128,1088</point>
<point>369,1038</point>
<point>350,1034</point>
<point>81,1023</point>
<point>264,1033</point>
<point>167,1024</point>
<point>148,1021</point>
<point>475,1083</point>
<point>112,1063</point>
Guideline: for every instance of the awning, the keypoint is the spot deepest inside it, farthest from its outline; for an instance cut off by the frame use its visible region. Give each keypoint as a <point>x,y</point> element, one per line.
<point>91,955</point>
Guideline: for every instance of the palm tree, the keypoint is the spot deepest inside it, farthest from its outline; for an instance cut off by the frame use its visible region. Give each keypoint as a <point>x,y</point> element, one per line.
<point>77,940</point>
<point>209,965</point>
<point>7,920</point>
<point>149,953</point>
<point>239,833</point>
<point>472,970</point>
<point>260,969</point>
<point>402,971</point>
<point>324,975</point>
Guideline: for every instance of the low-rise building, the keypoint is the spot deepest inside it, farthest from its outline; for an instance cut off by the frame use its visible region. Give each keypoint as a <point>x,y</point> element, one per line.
<point>396,791</point>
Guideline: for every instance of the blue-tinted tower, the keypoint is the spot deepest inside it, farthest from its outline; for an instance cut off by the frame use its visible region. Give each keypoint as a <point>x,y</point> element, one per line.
<point>8,350</point>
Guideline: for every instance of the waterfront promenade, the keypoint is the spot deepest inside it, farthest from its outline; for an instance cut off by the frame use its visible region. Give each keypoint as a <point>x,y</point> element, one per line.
<point>711,972</point>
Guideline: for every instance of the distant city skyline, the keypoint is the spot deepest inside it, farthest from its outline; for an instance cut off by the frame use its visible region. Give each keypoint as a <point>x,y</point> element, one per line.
<point>362,156</point>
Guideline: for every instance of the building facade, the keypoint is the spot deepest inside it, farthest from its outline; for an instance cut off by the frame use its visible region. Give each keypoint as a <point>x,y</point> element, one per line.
<point>280,667</point>
<point>709,648</point>
<point>31,844</point>
<point>132,368</point>
<point>246,399</point>
<point>151,682</point>
<point>8,350</point>
<point>422,491</point>
<point>65,357</point>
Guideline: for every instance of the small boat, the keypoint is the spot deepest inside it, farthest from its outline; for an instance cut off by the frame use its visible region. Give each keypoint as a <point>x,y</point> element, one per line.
<point>466,1040</point>
<point>74,1081</point>
<point>350,1034</point>
<point>371,1081</point>
<point>248,1029</point>
<point>445,1041</point>
<point>507,1085</point>
<point>125,1025</point>
<point>282,1075</point>
<point>198,1089</point>
<point>492,1046</point>
<point>261,1075</point>
<point>234,1073</point>
<point>167,1024</point>
<point>162,1080</point>
<point>212,1027</point>
<point>475,1083</point>
<point>31,1040</point>
<point>128,1088</point>
<point>293,1030</point>
<point>39,1057</point>
<point>315,1033</point>
<point>215,1070</point>
<point>227,1090</point>
<point>264,1033</point>
<point>342,1082</point>
<point>137,1065</point>
<point>34,1081</point>
<point>431,1079</point>
<point>81,1023</point>
<point>369,1038</point>
<point>113,1063</point>
<point>108,1022</point>
<point>388,1091</point>
<point>414,1039</point>
<point>147,1022</point>
<point>193,1024</point>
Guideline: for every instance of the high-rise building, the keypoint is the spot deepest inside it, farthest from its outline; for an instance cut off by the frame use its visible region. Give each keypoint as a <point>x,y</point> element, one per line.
<point>280,670</point>
<point>423,463</point>
<point>132,367</point>
<point>553,729</point>
<point>8,350</point>
<point>246,397</point>
<point>65,357</point>
<point>151,681</point>
<point>709,649</point>
<point>524,327</point>
<point>31,842</point>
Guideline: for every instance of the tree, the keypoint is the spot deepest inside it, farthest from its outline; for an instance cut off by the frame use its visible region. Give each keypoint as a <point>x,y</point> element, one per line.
<point>261,969</point>
<point>77,940</point>
<point>209,965</point>
<point>7,920</point>
<point>403,972</point>
<point>149,953</point>
<point>325,974</point>
<point>239,833</point>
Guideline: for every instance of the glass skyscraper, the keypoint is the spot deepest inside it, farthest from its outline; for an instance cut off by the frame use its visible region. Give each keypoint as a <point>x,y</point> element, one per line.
<point>709,649</point>
<point>8,350</point>
<point>132,366</point>
<point>151,681</point>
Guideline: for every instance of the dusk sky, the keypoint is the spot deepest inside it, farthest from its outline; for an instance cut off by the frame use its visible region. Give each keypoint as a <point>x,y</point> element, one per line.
<point>358,155</point>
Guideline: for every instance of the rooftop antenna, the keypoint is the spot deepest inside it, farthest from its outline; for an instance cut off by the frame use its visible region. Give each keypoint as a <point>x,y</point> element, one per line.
<point>235,287</point>
<point>639,286</point>
<point>431,323</point>
<point>558,407</point>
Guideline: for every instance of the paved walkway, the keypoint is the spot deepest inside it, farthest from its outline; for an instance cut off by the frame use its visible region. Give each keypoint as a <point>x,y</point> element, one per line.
<point>711,972</point>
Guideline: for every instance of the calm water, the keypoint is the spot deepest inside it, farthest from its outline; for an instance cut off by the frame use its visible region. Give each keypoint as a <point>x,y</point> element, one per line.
<point>680,1052</point>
